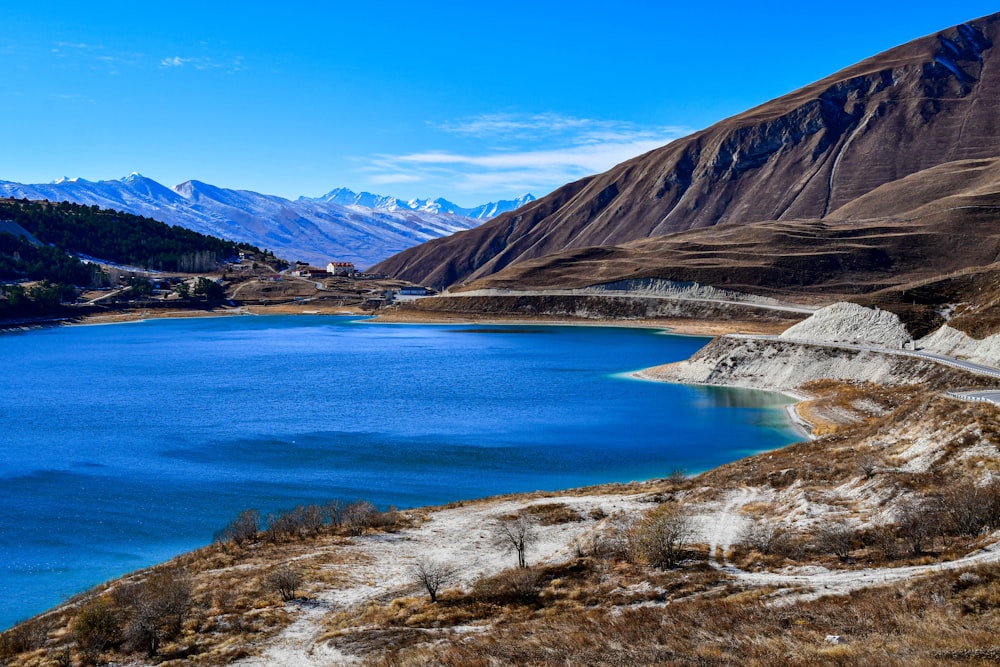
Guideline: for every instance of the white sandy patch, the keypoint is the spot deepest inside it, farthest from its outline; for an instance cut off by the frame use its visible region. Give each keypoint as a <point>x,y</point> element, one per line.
<point>459,536</point>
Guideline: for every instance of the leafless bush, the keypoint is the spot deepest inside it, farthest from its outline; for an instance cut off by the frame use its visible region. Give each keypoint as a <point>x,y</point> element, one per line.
<point>969,508</point>
<point>661,535</point>
<point>868,466</point>
<point>515,533</point>
<point>154,610</point>
<point>432,575</point>
<point>303,521</point>
<point>334,509</point>
<point>242,529</point>
<point>285,579</point>
<point>614,541</point>
<point>885,539</point>
<point>763,536</point>
<point>916,524</point>
<point>358,516</point>
<point>836,538</point>
<point>389,520</point>
<point>97,627</point>
<point>310,519</point>
<point>514,586</point>
<point>281,526</point>
<point>22,638</point>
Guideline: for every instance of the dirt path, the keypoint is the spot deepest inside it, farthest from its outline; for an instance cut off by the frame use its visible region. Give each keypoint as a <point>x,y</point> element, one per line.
<point>720,528</point>
<point>378,566</point>
<point>459,536</point>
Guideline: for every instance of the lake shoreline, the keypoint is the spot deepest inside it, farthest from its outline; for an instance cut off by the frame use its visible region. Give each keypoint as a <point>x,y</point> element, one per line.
<point>297,345</point>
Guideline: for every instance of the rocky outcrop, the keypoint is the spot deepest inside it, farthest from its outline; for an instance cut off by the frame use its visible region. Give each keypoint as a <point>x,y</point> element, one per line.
<point>954,343</point>
<point>802,156</point>
<point>777,365</point>
<point>850,323</point>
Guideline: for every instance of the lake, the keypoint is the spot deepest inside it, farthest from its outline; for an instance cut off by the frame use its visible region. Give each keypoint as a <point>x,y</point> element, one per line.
<point>124,445</point>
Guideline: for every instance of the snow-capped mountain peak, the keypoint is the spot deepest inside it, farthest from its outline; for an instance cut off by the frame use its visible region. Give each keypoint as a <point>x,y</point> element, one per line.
<point>439,206</point>
<point>362,228</point>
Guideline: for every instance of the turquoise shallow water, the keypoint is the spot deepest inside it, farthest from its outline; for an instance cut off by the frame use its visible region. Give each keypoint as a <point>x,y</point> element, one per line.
<point>124,445</point>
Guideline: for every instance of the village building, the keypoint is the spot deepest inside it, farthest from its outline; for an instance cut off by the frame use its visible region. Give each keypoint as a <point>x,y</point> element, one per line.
<point>341,269</point>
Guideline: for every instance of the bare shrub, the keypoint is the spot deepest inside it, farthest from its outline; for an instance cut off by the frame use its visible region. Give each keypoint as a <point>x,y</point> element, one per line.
<point>883,538</point>
<point>514,586</point>
<point>22,638</point>
<point>836,538</point>
<point>97,627</point>
<point>389,520</point>
<point>154,610</point>
<point>763,536</point>
<point>967,507</point>
<point>358,516</point>
<point>432,575</point>
<point>334,509</point>
<point>917,522</point>
<point>515,533</point>
<point>868,466</point>
<point>285,579</point>
<point>660,535</point>
<point>242,529</point>
<point>281,527</point>
<point>311,519</point>
<point>614,541</point>
<point>553,514</point>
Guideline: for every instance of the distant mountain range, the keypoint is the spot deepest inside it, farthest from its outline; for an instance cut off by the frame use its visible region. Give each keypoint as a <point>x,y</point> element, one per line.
<point>346,197</point>
<point>362,228</point>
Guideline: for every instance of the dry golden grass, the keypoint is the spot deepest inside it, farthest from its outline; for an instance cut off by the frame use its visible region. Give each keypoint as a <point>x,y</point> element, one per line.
<point>232,606</point>
<point>947,619</point>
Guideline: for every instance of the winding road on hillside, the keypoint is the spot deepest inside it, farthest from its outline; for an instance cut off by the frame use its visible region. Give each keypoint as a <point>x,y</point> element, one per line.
<point>961,364</point>
<point>749,302</point>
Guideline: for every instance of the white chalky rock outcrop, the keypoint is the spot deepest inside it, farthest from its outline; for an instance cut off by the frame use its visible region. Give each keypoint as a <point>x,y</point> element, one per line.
<point>955,343</point>
<point>850,323</point>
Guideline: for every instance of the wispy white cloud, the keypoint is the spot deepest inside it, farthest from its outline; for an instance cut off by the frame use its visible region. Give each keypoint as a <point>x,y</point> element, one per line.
<point>94,56</point>
<point>512,154</point>
<point>230,66</point>
<point>176,61</point>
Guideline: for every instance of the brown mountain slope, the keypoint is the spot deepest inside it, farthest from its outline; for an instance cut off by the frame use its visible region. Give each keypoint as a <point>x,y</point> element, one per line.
<point>801,156</point>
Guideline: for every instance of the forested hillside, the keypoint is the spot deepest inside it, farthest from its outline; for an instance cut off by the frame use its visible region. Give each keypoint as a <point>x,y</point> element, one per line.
<point>118,237</point>
<point>41,243</point>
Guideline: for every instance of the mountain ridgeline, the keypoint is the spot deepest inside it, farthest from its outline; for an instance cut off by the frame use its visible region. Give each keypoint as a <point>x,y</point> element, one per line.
<point>837,187</point>
<point>342,225</point>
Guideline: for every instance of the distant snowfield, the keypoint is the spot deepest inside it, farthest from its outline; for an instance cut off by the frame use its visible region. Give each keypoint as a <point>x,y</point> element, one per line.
<point>361,228</point>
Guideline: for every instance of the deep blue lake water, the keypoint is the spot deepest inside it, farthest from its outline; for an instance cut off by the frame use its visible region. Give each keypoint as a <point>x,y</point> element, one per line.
<point>123,445</point>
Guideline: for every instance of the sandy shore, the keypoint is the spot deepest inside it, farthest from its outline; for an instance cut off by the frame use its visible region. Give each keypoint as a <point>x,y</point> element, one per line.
<point>681,327</point>
<point>677,326</point>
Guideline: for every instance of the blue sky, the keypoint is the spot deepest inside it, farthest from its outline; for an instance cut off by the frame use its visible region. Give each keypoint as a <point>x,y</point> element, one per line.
<point>470,101</point>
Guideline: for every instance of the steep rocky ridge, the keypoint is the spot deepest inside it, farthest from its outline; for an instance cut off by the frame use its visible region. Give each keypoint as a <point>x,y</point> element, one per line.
<point>800,157</point>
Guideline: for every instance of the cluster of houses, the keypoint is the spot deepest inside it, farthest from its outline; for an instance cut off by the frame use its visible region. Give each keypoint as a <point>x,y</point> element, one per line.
<point>345,269</point>
<point>333,270</point>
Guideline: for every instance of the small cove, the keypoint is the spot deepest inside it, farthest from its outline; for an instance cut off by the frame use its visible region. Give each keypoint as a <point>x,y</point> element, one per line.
<point>127,444</point>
